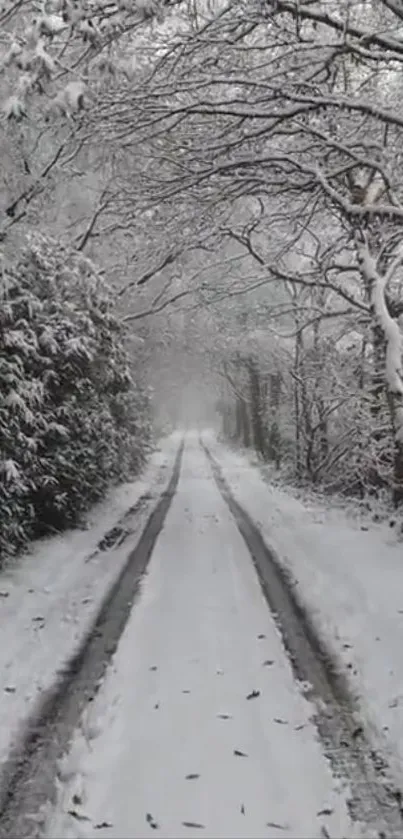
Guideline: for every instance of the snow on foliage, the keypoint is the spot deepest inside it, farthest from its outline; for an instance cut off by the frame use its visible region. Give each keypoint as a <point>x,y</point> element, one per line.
<point>72,420</point>
<point>43,47</point>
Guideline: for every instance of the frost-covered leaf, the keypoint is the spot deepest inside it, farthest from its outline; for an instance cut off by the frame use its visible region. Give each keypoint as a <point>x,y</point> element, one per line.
<point>14,400</point>
<point>48,481</point>
<point>90,32</point>
<point>14,51</point>
<point>148,8</point>
<point>34,392</point>
<point>14,108</point>
<point>48,341</point>
<point>17,339</point>
<point>71,98</point>
<point>78,346</point>
<point>10,469</point>
<point>51,24</point>
<point>46,60</point>
<point>26,83</point>
<point>58,429</point>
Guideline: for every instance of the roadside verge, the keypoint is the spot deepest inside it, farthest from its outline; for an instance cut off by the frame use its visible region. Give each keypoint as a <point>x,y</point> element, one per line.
<point>28,775</point>
<point>347,743</point>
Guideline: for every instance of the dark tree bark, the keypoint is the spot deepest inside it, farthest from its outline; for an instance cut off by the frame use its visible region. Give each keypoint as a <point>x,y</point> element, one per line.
<point>256,407</point>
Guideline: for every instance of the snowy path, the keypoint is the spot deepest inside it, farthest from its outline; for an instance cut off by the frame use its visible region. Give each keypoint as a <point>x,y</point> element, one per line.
<point>174,738</point>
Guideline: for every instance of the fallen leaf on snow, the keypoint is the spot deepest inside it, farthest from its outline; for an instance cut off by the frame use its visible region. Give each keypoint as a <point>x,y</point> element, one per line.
<point>79,816</point>
<point>151,821</point>
<point>397,795</point>
<point>277,825</point>
<point>357,731</point>
<point>193,824</point>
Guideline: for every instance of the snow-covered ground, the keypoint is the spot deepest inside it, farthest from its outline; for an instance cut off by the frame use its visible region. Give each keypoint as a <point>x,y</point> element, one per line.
<point>49,597</point>
<point>199,727</point>
<point>350,580</point>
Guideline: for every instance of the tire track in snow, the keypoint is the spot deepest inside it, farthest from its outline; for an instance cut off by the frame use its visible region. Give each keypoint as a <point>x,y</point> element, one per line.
<point>28,779</point>
<point>351,755</point>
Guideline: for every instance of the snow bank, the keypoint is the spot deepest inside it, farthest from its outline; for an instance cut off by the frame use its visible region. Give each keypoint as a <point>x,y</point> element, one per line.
<point>351,581</point>
<point>49,597</point>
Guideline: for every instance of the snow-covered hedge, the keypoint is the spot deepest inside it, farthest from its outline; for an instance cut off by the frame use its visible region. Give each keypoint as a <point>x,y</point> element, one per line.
<point>72,420</point>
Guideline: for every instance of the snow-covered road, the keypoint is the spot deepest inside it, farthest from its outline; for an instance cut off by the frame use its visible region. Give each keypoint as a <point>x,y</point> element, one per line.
<point>199,727</point>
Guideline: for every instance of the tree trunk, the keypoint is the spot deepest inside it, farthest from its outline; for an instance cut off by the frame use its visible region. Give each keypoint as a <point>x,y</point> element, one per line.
<point>317,395</point>
<point>377,384</point>
<point>256,408</point>
<point>274,438</point>
<point>305,414</point>
<point>297,406</point>
<point>389,328</point>
<point>245,424</point>
<point>378,393</point>
<point>398,475</point>
<point>395,401</point>
<point>238,418</point>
